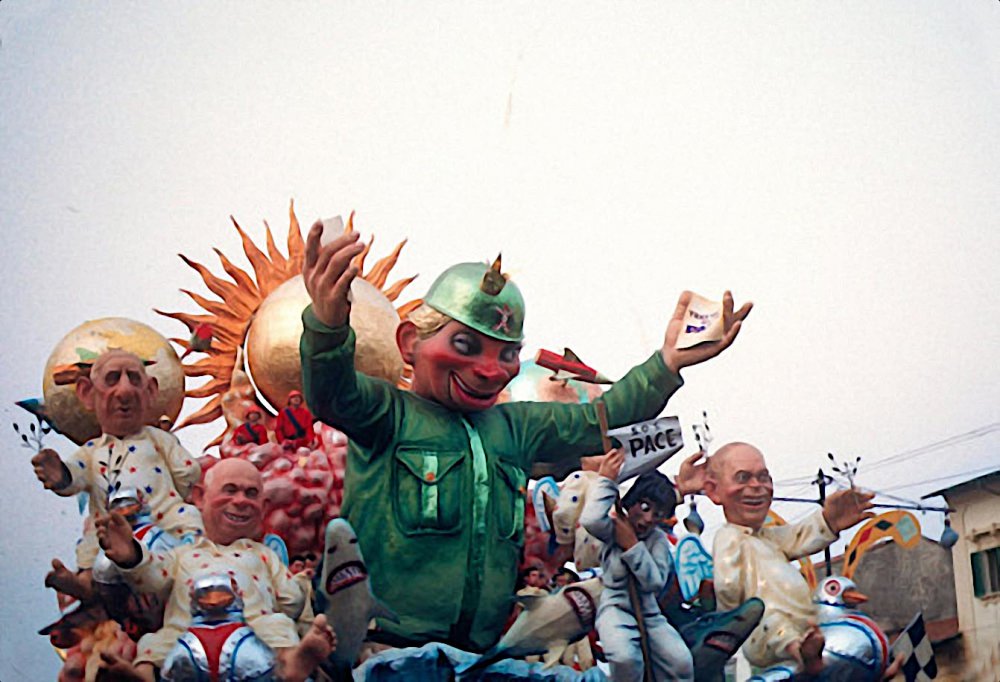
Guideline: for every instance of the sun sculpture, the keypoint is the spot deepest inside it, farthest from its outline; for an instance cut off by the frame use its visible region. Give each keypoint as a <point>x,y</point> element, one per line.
<point>249,345</point>
<point>236,319</point>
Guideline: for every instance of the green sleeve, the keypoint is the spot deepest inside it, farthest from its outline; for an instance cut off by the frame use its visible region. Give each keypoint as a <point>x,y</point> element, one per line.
<point>338,395</point>
<point>559,431</point>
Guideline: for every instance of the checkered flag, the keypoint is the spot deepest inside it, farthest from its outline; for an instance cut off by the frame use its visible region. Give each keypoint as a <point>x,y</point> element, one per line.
<point>914,648</point>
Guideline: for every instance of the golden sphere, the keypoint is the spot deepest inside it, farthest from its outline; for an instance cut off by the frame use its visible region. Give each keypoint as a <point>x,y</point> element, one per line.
<point>272,345</point>
<point>97,336</point>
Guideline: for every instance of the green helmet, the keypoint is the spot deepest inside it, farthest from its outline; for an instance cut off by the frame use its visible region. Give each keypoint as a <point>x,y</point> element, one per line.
<point>479,296</point>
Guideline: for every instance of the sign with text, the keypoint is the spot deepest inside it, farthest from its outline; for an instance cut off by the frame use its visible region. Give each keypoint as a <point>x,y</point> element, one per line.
<point>647,445</point>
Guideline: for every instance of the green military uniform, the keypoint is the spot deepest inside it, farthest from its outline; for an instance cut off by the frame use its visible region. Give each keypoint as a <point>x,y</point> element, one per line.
<point>437,497</point>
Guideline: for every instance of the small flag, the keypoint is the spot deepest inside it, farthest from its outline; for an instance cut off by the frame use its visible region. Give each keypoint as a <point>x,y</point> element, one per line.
<point>914,647</point>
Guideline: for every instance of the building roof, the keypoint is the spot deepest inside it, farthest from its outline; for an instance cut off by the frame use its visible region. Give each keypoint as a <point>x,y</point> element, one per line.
<point>974,480</point>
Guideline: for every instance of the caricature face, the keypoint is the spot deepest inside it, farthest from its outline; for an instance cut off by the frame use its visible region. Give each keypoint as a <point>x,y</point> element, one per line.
<point>231,500</point>
<point>645,515</point>
<point>459,367</point>
<point>120,393</point>
<point>742,485</point>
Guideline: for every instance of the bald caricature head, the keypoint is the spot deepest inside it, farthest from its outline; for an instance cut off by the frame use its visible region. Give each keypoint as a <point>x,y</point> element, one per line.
<point>231,500</point>
<point>738,481</point>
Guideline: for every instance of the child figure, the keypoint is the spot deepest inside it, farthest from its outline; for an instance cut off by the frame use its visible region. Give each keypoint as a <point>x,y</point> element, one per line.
<point>251,431</point>
<point>635,548</point>
<point>294,427</point>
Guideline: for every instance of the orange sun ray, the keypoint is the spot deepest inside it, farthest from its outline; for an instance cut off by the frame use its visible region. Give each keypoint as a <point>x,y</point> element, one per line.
<point>242,295</point>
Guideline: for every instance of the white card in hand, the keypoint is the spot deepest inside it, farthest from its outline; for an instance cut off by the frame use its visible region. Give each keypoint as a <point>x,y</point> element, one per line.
<point>332,228</point>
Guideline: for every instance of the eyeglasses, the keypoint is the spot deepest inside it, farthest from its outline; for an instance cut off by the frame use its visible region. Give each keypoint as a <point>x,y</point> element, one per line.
<point>744,477</point>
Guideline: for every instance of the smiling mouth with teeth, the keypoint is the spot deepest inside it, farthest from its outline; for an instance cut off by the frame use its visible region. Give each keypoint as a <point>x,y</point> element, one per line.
<point>344,576</point>
<point>462,394</point>
<point>477,395</point>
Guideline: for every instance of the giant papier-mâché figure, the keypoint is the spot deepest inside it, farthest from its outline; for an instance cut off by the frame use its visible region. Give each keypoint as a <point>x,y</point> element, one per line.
<point>752,560</point>
<point>436,476</point>
<point>128,454</point>
<point>232,504</point>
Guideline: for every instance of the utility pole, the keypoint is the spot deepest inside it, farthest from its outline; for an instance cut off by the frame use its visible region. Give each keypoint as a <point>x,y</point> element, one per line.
<point>821,481</point>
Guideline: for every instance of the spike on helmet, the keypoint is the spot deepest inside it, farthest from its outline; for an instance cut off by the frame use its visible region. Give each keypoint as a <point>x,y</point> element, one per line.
<point>481,297</point>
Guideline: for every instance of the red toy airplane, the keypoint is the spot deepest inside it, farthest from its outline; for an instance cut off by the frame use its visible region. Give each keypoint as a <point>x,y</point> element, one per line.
<point>569,366</point>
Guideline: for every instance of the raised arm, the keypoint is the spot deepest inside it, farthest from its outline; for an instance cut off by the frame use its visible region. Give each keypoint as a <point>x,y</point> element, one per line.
<point>601,499</point>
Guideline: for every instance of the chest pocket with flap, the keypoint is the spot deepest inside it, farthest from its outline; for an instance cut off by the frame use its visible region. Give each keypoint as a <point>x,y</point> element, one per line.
<point>427,490</point>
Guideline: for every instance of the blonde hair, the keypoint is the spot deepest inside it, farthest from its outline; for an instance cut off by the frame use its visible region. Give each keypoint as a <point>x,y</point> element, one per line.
<point>427,320</point>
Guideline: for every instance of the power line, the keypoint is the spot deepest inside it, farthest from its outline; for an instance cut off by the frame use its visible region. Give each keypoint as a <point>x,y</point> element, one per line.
<point>914,452</point>
<point>933,447</point>
<point>983,470</point>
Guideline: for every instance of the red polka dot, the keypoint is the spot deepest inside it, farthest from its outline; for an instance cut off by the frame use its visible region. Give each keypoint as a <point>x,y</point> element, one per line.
<point>204,565</point>
<point>263,558</point>
<point>159,516</point>
<point>173,494</point>
<point>131,470</point>
<point>196,555</point>
<point>187,463</point>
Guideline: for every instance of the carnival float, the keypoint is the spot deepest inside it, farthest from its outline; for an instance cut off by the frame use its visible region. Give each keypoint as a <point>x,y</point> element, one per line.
<point>402,569</point>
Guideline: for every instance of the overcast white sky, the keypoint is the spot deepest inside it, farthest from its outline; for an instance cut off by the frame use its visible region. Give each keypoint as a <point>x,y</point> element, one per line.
<point>837,164</point>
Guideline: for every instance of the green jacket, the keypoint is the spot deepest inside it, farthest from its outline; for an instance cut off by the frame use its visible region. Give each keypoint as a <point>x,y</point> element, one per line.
<point>437,498</point>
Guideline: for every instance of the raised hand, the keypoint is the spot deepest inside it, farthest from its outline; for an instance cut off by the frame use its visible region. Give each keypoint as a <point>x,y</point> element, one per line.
<point>328,273</point>
<point>846,508</point>
<point>115,537</point>
<point>676,359</point>
<point>611,464</point>
<point>50,470</point>
<point>691,477</point>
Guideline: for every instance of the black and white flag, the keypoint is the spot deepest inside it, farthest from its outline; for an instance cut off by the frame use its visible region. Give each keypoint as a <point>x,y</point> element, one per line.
<point>914,647</point>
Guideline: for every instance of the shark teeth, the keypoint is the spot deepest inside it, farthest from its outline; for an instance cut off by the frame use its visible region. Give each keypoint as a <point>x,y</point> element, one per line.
<point>725,642</point>
<point>345,575</point>
<point>582,604</point>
